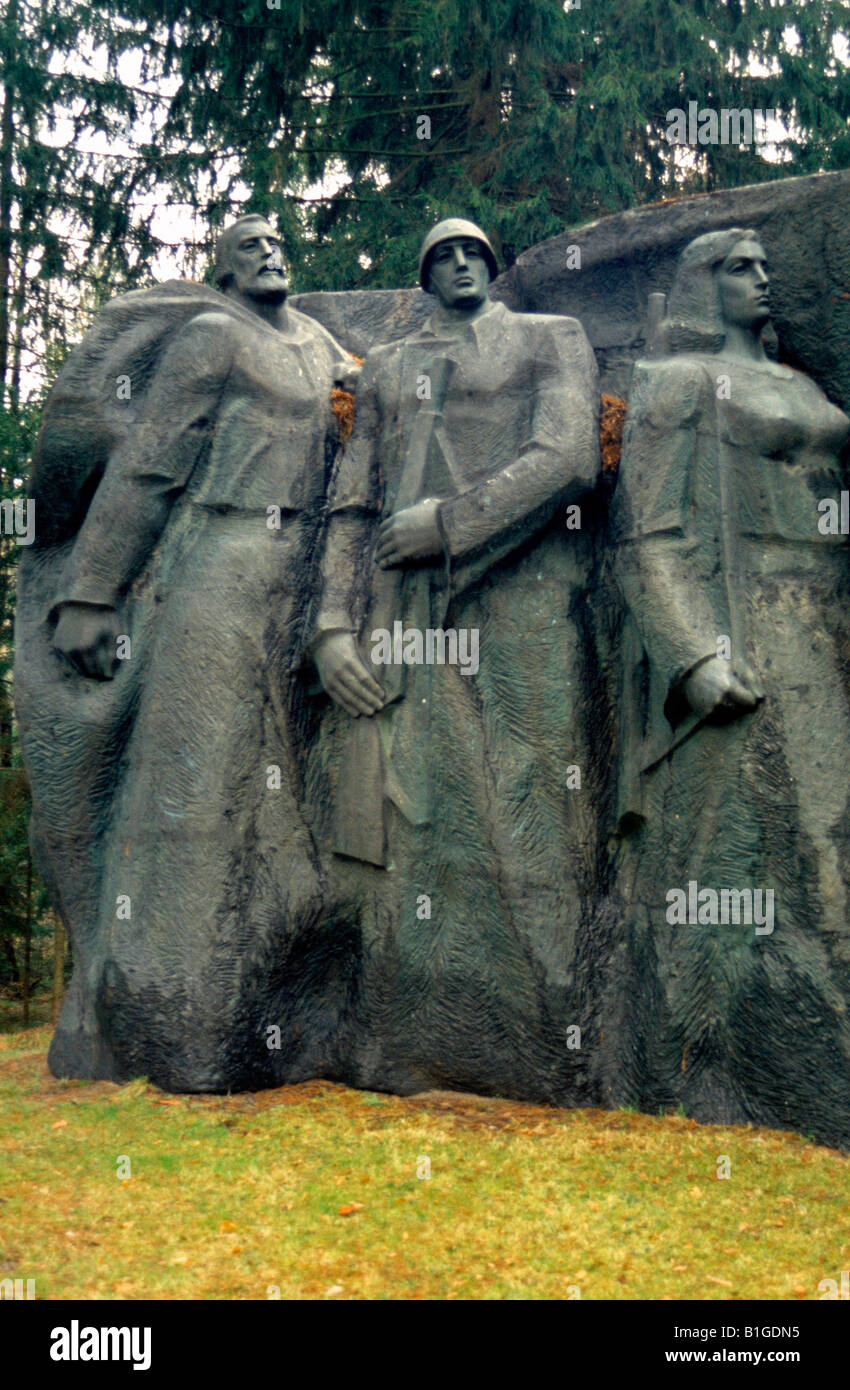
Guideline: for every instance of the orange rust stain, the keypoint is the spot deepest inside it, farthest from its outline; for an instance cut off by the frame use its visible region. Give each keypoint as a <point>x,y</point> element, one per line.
<point>611,423</point>
<point>342,405</point>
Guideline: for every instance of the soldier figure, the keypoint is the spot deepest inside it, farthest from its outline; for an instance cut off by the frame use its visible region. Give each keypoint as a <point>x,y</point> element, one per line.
<point>458,497</point>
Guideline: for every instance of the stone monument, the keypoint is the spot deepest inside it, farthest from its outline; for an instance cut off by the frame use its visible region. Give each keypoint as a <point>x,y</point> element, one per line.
<point>436,757</point>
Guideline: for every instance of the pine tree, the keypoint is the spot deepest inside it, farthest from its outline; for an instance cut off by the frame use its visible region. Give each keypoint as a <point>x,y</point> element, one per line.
<point>529,115</point>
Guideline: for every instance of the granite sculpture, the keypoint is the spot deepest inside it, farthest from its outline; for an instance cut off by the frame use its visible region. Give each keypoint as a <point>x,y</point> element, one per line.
<point>179,487</point>
<point>433,757</point>
<point>732,801</point>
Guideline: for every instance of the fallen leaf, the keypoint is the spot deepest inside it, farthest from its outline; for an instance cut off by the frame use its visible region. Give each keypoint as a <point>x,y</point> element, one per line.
<point>351,1208</point>
<point>59,1124</point>
<point>712,1279</point>
<point>226,1226</point>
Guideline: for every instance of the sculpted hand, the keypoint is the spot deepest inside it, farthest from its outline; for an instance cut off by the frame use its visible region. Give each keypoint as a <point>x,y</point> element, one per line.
<point>345,374</point>
<point>87,637</point>
<point>344,677</point>
<point>412,534</point>
<point>716,690</point>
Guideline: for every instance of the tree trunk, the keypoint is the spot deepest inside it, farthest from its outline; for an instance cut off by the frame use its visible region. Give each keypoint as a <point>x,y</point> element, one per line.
<point>6,582</point>
<point>58,967</point>
<point>17,331</point>
<point>9,952</point>
<point>7,136</point>
<point>28,942</point>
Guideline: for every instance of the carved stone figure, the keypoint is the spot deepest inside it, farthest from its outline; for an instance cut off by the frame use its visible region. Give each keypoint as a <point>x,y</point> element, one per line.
<point>733,794</point>
<point>461,792</point>
<point>412,884</point>
<point>179,489</point>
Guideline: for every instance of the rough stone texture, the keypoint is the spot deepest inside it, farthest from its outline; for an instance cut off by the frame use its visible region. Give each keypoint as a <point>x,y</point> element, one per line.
<point>359,319</point>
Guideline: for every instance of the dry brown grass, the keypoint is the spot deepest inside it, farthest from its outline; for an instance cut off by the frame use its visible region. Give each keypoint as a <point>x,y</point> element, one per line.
<point>240,1196</point>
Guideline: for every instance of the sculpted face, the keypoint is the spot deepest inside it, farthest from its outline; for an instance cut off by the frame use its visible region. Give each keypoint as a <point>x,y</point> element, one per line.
<point>458,273</point>
<point>255,262</point>
<point>743,281</point>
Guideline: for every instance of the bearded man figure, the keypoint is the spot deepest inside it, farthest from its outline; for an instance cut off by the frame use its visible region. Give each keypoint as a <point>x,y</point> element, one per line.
<point>179,485</point>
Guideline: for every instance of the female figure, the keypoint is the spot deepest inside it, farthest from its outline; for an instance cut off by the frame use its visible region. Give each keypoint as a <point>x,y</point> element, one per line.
<point>734,816</point>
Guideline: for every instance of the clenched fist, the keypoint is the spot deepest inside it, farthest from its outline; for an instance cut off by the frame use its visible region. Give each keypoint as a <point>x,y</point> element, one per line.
<point>87,637</point>
<point>717,691</point>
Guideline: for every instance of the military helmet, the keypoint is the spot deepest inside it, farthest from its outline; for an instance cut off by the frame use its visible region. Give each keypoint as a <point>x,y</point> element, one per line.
<point>446,231</point>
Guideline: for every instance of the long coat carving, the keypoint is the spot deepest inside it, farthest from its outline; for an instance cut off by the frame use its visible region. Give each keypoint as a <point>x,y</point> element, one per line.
<point>460,788</point>
<point>719,549</point>
<point>168,815</point>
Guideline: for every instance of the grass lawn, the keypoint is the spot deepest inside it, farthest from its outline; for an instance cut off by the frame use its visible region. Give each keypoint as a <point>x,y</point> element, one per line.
<point>315,1190</point>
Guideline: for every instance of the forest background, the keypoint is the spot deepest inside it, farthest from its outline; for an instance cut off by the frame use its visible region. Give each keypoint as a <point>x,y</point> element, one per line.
<point>132,130</point>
